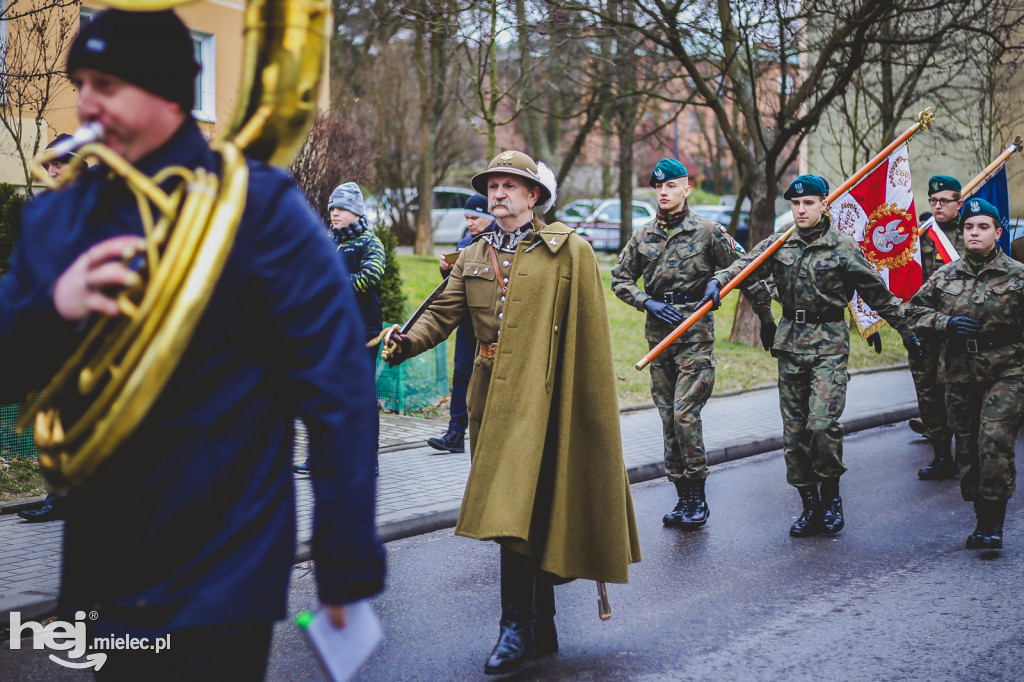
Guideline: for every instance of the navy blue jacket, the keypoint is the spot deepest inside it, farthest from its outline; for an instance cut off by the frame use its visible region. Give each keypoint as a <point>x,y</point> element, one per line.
<point>192,522</point>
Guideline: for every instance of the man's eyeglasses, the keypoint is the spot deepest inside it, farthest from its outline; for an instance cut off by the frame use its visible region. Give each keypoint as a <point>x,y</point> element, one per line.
<point>932,201</point>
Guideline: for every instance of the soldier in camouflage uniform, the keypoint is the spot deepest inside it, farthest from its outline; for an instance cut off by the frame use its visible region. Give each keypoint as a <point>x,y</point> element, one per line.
<point>816,272</point>
<point>945,200</point>
<point>676,254</point>
<point>976,307</point>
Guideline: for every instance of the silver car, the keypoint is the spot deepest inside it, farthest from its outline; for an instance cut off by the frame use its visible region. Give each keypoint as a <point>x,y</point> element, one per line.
<point>598,220</point>
<point>447,216</point>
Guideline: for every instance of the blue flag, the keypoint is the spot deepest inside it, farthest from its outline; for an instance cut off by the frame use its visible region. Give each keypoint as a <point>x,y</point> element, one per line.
<point>994,192</point>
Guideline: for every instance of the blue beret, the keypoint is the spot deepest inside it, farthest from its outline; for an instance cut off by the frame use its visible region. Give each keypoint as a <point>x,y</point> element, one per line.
<point>667,169</point>
<point>940,183</point>
<point>975,207</point>
<point>477,205</point>
<point>807,186</point>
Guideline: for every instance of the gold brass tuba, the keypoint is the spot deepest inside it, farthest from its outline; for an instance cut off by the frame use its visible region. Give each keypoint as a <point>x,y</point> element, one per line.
<point>123,364</point>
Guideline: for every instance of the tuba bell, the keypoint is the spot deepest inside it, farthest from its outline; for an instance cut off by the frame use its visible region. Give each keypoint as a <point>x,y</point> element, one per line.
<point>122,365</point>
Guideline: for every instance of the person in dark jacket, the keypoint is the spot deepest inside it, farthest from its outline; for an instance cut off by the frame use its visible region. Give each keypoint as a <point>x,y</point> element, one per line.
<point>478,221</point>
<point>362,252</point>
<point>188,528</point>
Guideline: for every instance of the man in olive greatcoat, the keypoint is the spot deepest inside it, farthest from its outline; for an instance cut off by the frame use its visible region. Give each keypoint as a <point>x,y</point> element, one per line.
<point>547,479</point>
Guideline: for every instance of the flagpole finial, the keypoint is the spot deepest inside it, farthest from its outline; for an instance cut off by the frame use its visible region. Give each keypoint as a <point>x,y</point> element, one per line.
<point>926,119</point>
<point>1018,145</point>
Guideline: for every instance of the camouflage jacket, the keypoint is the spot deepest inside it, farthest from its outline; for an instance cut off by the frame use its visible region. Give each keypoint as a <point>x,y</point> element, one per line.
<point>930,261</point>
<point>995,297</point>
<point>817,277</point>
<point>681,264</point>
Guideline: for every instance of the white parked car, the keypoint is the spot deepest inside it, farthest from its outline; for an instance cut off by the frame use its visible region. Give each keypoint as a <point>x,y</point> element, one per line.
<point>447,216</point>
<point>598,220</point>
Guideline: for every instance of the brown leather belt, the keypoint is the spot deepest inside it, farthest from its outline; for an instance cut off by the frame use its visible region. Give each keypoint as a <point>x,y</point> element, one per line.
<point>488,350</point>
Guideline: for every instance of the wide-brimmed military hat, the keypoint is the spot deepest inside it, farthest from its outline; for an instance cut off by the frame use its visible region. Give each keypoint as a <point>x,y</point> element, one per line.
<point>976,207</point>
<point>807,186</point>
<point>511,163</point>
<point>940,183</point>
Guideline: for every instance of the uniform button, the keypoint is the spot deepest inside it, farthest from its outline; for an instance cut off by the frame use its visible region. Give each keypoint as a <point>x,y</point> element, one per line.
<point>505,264</point>
<point>506,280</point>
<point>501,315</point>
<point>477,271</point>
<point>556,327</point>
<point>502,299</point>
<point>486,270</point>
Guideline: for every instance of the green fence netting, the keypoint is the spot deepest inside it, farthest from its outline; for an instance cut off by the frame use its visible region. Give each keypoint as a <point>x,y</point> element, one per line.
<point>415,383</point>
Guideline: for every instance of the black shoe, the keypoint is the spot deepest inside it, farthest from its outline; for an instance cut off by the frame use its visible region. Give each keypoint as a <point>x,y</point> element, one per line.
<point>545,637</point>
<point>302,468</point>
<point>452,441</point>
<point>809,522</point>
<point>832,516</point>
<point>514,647</point>
<point>989,532</point>
<point>696,512</point>
<point>52,510</point>
<point>916,425</point>
<point>942,466</point>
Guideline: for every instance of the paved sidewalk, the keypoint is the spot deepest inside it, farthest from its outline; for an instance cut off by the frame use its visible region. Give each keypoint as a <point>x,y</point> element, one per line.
<point>420,490</point>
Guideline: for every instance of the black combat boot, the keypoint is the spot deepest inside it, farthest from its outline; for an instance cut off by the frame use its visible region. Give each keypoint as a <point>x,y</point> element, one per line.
<point>809,522</point>
<point>452,441</point>
<point>942,466</point>
<point>989,532</point>
<point>832,507</point>
<point>695,512</point>
<point>545,638</point>
<point>515,637</point>
<point>675,517</point>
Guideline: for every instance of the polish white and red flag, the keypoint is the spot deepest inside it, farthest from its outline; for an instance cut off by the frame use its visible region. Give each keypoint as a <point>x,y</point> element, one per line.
<point>943,246</point>
<point>879,213</point>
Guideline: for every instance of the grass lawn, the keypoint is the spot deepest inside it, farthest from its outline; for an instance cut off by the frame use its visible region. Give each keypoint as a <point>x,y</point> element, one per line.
<point>739,365</point>
<point>19,478</point>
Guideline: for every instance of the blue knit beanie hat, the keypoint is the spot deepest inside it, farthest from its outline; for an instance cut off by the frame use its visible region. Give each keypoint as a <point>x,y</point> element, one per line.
<point>349,197</point>
<point>477,205</point>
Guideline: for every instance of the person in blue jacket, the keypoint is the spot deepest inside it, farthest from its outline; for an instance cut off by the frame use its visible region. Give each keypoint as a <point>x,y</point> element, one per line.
<point>478,221</point>
<point>188,528</point>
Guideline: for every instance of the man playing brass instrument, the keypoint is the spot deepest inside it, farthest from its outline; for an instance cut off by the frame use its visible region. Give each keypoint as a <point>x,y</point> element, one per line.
<point>188,528</point>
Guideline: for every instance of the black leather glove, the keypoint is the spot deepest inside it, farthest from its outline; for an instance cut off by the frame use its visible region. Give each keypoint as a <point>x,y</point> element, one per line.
<point>768,329</point>
<point>963,326</point>
<point>711,293</point>
<point>875,341</point>
<point>664,312</point>
<point>913,346</point>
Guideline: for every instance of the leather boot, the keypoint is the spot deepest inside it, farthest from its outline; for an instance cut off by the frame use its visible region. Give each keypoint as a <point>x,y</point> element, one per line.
<point>832,507</point>
<point>942,466</point>
<point>515,636</point>
<point>451,441</point>
<point>809,522</point>
<point>675,517</point>
<point>989,532</point>
<point>545,637</point>
<point>695,512</point>
<point>916,425</point>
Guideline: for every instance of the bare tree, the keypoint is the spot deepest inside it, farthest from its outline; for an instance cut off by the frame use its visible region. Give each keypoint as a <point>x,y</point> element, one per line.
<point>335,151</point>
<point>36,34</point>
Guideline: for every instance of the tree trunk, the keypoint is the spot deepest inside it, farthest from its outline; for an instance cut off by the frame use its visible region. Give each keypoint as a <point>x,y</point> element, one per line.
<point>745,325</point>
<point>424,244</point>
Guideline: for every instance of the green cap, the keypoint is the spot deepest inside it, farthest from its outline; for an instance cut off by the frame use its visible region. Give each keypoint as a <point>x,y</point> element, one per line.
<point>975,207</point>
<point>807,186</point>
<point>667,169</point>
<point>940,183</point>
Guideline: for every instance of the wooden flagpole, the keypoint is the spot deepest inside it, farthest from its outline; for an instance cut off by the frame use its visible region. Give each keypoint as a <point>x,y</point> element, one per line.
<point>924,121</point>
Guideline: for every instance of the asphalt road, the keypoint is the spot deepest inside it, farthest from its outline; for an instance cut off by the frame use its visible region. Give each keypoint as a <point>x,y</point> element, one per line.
<point>895,596</point>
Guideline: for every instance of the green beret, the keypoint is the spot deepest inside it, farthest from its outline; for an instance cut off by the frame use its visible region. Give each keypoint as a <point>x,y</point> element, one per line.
<point>667,169</point>
<point>940,183</point>
<point>975,207</point>
<point>807,186</point>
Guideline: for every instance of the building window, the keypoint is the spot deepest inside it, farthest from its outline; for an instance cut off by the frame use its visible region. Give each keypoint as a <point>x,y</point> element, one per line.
<point>204,46</point>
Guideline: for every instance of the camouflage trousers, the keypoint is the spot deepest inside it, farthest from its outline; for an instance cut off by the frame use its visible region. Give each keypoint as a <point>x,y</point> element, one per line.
<point>812,396</point>
<point>931,393</point>
<point>682,379</point>
<point>986,417</point>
